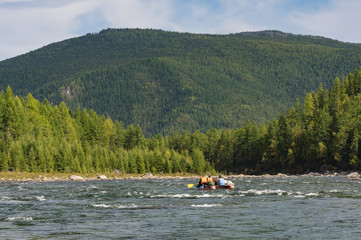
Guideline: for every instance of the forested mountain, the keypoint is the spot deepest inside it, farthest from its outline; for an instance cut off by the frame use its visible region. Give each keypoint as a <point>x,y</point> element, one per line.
<point>169,81</point>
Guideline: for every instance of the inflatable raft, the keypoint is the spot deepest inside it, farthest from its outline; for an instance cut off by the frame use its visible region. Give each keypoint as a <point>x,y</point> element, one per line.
<point>225,186</point>
<point>206,187</point>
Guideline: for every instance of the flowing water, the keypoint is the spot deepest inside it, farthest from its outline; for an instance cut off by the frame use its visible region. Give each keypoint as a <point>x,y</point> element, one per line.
<point>258,208</point>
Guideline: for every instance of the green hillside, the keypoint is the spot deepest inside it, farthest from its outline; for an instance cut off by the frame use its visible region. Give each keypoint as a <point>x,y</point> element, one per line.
<point>168,81</point>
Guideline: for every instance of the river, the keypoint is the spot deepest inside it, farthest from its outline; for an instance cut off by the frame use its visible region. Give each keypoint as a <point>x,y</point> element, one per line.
<point>258,208</point>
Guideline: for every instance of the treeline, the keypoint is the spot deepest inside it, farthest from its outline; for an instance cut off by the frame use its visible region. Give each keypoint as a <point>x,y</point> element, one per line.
<point>37,137</point>
<point>323,134</point>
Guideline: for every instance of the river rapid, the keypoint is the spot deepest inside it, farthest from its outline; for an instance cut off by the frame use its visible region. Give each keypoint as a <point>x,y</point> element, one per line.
<point>258,208</point>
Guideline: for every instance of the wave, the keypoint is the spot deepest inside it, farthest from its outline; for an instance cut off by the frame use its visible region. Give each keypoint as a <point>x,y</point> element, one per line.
<point>279,192</point>
<point>264,192</point>
<point>5,199</point>
<point>40,198</point>
<point>187,195</point>
<point>312,194</point>
<point>19,219</point>
<point>135,193</point>
<point>336,191</point>
<point>129,207</point>
<point>181,195</point>
<point>205,205</point>
<point>102,205</point>
<point>113,206</point>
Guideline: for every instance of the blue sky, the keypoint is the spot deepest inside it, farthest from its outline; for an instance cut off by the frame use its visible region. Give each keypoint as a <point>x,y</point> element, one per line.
<point>26,25</point>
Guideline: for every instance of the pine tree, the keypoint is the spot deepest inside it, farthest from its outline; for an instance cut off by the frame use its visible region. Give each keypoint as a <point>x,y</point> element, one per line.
<point>4,161</point>
<point>198,161</point>
<point>284,140</point>
<point>140,164</point>
<point>225,150</point>
<point>11,117</point>
<point>158,161</point>
<point>309,110</point>
<point>32,162</point>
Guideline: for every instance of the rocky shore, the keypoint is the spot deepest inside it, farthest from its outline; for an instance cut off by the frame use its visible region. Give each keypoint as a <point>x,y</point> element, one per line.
<point>103,177</point>
<point>81,178</point>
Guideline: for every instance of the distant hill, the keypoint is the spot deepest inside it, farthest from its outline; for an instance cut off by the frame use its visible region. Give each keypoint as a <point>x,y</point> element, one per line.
<point>168,81</point>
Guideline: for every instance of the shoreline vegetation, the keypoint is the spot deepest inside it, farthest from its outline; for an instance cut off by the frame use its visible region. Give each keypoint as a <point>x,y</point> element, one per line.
<point>62,177</point>
<point>323,135</point>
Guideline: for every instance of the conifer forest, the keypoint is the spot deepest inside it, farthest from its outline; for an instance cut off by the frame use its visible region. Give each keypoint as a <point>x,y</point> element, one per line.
<point>322,134</point>
<point>137,101</point>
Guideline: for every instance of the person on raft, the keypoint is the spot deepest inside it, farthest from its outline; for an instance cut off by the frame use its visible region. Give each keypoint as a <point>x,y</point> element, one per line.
<point>220,181</point>
<point>210,181</point>
<point>206,181</point>
<point>203,181</point>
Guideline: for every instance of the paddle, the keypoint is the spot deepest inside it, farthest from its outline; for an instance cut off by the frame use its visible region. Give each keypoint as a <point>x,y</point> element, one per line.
<point>190,185</point>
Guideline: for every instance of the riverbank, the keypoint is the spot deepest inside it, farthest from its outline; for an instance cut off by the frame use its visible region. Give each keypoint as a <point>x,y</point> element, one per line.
<point>58,177</point>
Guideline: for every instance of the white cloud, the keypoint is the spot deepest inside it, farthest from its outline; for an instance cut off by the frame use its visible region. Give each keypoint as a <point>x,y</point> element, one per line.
<point>32,24</point>
<point>29,24</point>
<point>137,13</point>
<point>340,20</point>
<point>13,1</point>
<point>230,16</point>
<point>32,27</point>
<point>240,16</point>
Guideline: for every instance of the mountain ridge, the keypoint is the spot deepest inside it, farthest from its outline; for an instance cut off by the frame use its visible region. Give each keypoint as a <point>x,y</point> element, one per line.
<point>169,81</point>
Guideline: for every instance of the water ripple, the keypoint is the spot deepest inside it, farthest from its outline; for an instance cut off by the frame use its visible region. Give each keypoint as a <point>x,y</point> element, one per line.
<point>258,208</point>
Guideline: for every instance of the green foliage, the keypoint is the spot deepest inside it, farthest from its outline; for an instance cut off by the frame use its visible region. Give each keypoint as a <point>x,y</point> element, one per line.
<point>167,81</point>
<point>54,139</point>
<point>140,164</point>
<point>321,136</point>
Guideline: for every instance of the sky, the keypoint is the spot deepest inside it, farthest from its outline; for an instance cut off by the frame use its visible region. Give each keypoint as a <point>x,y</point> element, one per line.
<point>26,25</point>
